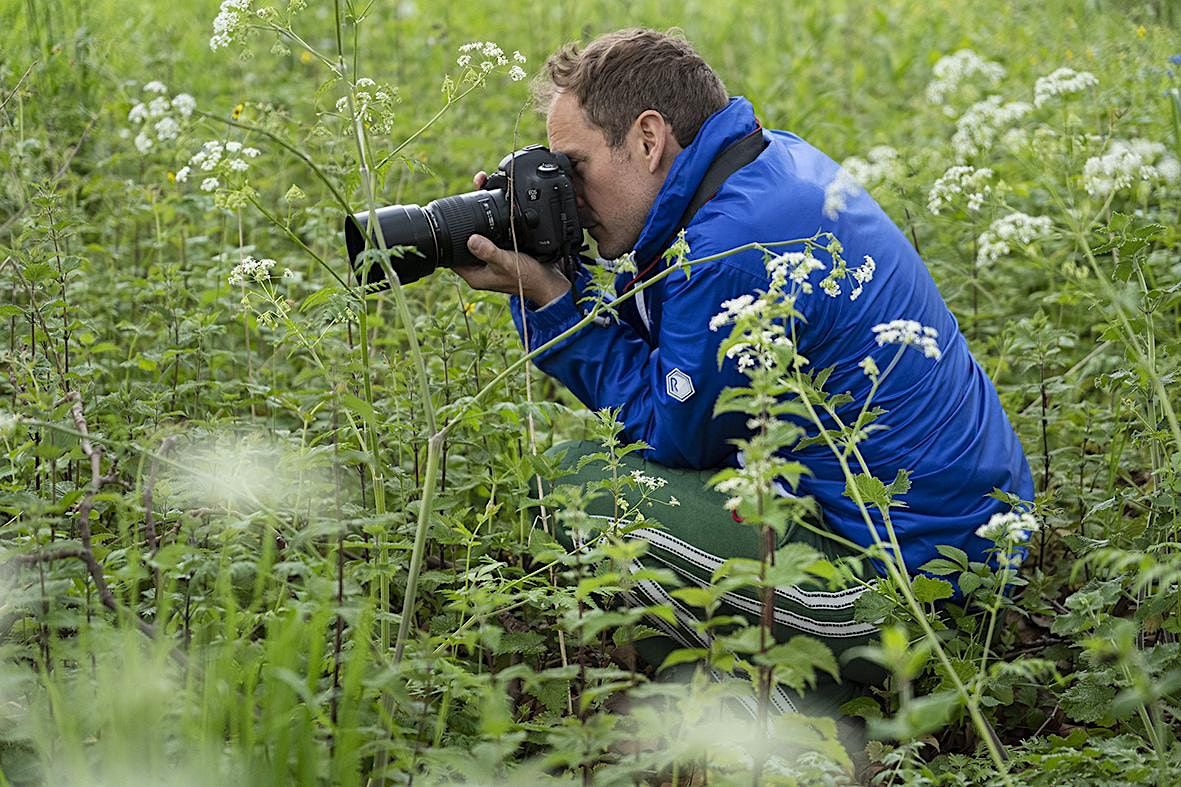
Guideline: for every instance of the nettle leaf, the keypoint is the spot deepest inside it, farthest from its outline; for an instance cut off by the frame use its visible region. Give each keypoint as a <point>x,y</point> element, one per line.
<point>797,660</point>
<point>873,491</point>
<point>1090,699</point>
<point>929,589</point>
<point>872,607</point>
<point>969,583</point>
<point>683,656</point>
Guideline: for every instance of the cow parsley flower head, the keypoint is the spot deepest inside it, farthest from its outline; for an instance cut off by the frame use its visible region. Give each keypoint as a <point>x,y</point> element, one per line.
<point>1009,528</point>
<point>210,184</point>
<point>794,267</point>
<point>880,165</point>
<point>231,20</point>
<point>869,367</point>
<point>952,70</point>
<point>516,73</point>
<point>8,424</point>
<point>1015,229</point>
<point>909,333</point>
<point>978,128</point>
<point>251,268</point>
<point>1127,162</point>
<point>184,104</point>
<point>156,118</point>
<point>647,482</point>
<point>960,184</point>
<point>1062,82</point>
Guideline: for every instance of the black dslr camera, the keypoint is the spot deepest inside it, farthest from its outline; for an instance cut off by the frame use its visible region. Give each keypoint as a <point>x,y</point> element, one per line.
<point>530,195</point>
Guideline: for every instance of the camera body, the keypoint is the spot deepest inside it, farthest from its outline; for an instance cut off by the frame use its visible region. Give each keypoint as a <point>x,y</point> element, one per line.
<point>527,204</point>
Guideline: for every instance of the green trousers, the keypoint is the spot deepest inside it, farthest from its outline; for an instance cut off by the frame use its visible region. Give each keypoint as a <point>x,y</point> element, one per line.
<point>698,536</point>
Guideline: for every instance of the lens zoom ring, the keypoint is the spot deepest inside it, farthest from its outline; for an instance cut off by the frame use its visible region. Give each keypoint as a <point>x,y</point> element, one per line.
<point>459,219</point>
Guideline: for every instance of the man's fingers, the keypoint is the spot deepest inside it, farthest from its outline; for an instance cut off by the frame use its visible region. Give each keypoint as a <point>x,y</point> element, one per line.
<point>480,179</point>
<point>485,250</point>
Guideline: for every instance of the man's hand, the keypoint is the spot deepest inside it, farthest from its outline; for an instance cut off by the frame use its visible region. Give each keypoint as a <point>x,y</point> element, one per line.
<point>511,272</point>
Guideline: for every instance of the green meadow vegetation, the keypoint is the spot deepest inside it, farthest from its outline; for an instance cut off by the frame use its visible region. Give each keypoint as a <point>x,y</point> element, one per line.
<point>258,526</point>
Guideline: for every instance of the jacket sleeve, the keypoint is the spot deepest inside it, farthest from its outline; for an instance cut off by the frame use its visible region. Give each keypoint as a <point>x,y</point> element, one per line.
<point>666,394</point>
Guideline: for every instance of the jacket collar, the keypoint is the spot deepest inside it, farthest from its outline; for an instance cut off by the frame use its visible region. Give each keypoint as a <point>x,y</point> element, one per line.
<point>727,125</point>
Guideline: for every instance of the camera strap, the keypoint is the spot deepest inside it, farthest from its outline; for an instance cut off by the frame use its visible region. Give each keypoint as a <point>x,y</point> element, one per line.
<point>733,158</point>
<point>736,156</point>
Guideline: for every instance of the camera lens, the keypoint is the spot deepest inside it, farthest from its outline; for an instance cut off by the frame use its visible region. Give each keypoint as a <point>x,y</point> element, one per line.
<point>408,226</point>
<point>430,236</point>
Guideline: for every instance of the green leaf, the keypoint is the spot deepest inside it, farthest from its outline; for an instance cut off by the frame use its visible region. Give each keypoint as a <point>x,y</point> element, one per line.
<point>917,718</point>
<point>683,656</point>
<point>955,554</point>
<point>969,583</point>
<point>929,589</point>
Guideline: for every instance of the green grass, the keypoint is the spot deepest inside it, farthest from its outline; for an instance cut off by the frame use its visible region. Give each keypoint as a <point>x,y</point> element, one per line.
<point>256,580</point>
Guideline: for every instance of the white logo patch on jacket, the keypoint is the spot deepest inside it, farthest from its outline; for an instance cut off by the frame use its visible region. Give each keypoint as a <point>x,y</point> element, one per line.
<point>679,385</point>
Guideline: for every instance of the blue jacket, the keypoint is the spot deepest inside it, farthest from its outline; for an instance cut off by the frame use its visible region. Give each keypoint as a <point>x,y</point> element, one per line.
<point>945,422</point>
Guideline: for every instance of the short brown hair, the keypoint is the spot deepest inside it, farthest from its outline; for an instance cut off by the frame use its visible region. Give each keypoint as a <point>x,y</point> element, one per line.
<point>619,75</point>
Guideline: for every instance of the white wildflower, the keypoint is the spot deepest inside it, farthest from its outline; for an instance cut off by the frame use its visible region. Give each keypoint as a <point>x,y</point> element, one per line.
<point>518,57</point>
<point>516,73</point>
<point>960,182</point>
<point>138,113</point>
<point>251,268</point>
<point>1062,82</point>
<point>182,174</point>
<point>184,104</point>
<point>831,287</point>
<point>977,129</point>
<point>155,86</point>
<point>1009,528</point>
<point>232,17</point>
<point>673,502</point>
<point>365,82</point>
<point>649,483</point>
<point>158,107</point>
<point>1009,231</point>
<point>732,310</point>
<point>463,61</point>
<point>486,66</point>
<point>143,143</point>
<point>250,152</point>
<point>868,366</point>
<point>880,165</point>
<point>863,274</point>
<point>167,128</point>
<point>342,104</point>
<point>909,333</point>
<point>1126,162</point>
<point>952,70</point>
<point>732,503</point>
<point>794,266</point>
<point>233,147</point>
<point>10,421</point>
<point>238,165</point>
<point>209,184</point>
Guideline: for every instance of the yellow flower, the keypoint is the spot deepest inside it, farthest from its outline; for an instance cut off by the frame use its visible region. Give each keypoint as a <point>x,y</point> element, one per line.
<point>305,57</point>
<point>171,176</point>
<point>237,113</point>
<point>469,309</point>
<point>1141,31</point>
<point>1070,54</point>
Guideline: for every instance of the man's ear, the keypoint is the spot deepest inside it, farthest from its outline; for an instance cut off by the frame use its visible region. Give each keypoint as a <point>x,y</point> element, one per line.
<point>656,139</point>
